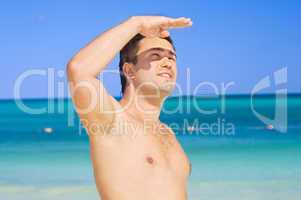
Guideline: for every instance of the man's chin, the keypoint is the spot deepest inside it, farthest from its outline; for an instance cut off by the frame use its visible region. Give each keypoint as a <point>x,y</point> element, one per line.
<point>161,89</point>
<point>166,90</point>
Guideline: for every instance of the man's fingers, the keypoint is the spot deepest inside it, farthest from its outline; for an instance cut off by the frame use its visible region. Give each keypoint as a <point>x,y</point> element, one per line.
<point>180,22</point>
<point>166,23</point>
<point>164,34</point>
<point>177,23</point>
<point>159,26</point>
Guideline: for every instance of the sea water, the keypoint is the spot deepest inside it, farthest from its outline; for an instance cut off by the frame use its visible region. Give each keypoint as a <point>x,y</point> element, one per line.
<point>44,150</point>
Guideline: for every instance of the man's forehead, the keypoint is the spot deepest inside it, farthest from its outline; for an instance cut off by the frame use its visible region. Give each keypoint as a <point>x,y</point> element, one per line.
<point>149,44</point>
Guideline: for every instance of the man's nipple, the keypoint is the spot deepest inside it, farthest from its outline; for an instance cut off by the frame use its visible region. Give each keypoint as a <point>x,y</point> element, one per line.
<point>150,160</point>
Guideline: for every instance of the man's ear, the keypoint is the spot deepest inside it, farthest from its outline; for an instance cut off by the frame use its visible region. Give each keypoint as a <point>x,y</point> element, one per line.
<point>128,70</point>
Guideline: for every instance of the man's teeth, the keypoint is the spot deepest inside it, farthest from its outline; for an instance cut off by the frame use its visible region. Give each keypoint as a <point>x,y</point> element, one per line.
<point>165,75</point>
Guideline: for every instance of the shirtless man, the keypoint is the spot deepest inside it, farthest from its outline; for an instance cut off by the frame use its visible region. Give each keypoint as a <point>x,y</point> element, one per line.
<point>134,155</point>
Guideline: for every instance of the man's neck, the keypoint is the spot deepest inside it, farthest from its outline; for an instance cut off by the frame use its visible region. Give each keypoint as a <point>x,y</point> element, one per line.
<point>142,107</point>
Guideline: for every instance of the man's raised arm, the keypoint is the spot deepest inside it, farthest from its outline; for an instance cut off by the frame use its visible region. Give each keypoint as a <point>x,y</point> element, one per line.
<point>91,100</point>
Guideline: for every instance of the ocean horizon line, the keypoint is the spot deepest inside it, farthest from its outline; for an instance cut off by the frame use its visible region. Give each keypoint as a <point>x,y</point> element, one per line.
<point>235,95</point>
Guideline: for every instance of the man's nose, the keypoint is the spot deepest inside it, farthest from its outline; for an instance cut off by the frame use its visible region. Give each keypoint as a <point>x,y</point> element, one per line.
<point>166,63</point>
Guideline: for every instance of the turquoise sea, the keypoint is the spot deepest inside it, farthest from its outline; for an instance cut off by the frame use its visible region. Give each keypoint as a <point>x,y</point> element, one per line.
<point>234,155</point>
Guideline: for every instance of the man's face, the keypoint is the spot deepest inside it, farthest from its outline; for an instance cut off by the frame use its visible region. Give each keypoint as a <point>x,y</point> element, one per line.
<point>155,69</point>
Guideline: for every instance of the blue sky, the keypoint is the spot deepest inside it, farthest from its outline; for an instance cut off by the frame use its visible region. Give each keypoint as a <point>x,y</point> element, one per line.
<point>230,41</point>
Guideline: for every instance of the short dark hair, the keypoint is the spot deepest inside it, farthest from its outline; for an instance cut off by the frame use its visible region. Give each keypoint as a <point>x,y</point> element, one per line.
<point>128,54</point>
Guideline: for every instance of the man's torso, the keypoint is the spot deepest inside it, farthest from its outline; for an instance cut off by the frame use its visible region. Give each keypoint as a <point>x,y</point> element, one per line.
<point>139,160</point>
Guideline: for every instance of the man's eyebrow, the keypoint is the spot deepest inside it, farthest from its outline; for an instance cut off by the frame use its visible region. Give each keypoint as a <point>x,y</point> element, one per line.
<point>162,49</point>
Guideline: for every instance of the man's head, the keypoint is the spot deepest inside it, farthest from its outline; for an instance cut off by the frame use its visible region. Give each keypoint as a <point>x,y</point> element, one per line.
<point>148,63</point>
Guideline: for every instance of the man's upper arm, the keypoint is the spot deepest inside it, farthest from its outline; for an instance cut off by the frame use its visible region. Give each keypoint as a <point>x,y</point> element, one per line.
<point>91,100</point>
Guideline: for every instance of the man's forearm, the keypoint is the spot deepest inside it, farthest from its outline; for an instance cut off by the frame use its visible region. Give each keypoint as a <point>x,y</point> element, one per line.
<point>94,57</point>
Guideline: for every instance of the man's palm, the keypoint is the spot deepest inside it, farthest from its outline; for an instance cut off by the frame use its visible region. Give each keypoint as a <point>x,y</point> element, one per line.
<point>157,26</point>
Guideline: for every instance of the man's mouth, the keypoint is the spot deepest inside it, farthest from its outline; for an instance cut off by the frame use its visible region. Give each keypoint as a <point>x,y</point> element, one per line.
<point>165,75</point>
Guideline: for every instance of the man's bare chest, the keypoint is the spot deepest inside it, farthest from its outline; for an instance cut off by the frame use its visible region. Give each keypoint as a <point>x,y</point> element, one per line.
<point>153,144</point>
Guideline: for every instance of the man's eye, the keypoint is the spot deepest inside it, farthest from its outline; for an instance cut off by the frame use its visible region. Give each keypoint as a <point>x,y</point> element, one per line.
<point>172,58</point>
<point>155,56</point>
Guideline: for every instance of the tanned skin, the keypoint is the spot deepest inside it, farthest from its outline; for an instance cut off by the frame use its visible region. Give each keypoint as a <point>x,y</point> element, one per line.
<point>134,155</point>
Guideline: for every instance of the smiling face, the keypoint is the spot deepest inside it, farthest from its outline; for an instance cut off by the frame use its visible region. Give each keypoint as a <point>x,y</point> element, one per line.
<point>155,69</point>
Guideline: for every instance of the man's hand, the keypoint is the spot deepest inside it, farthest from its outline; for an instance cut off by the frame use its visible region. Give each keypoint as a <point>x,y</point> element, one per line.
<point>157,26</point>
